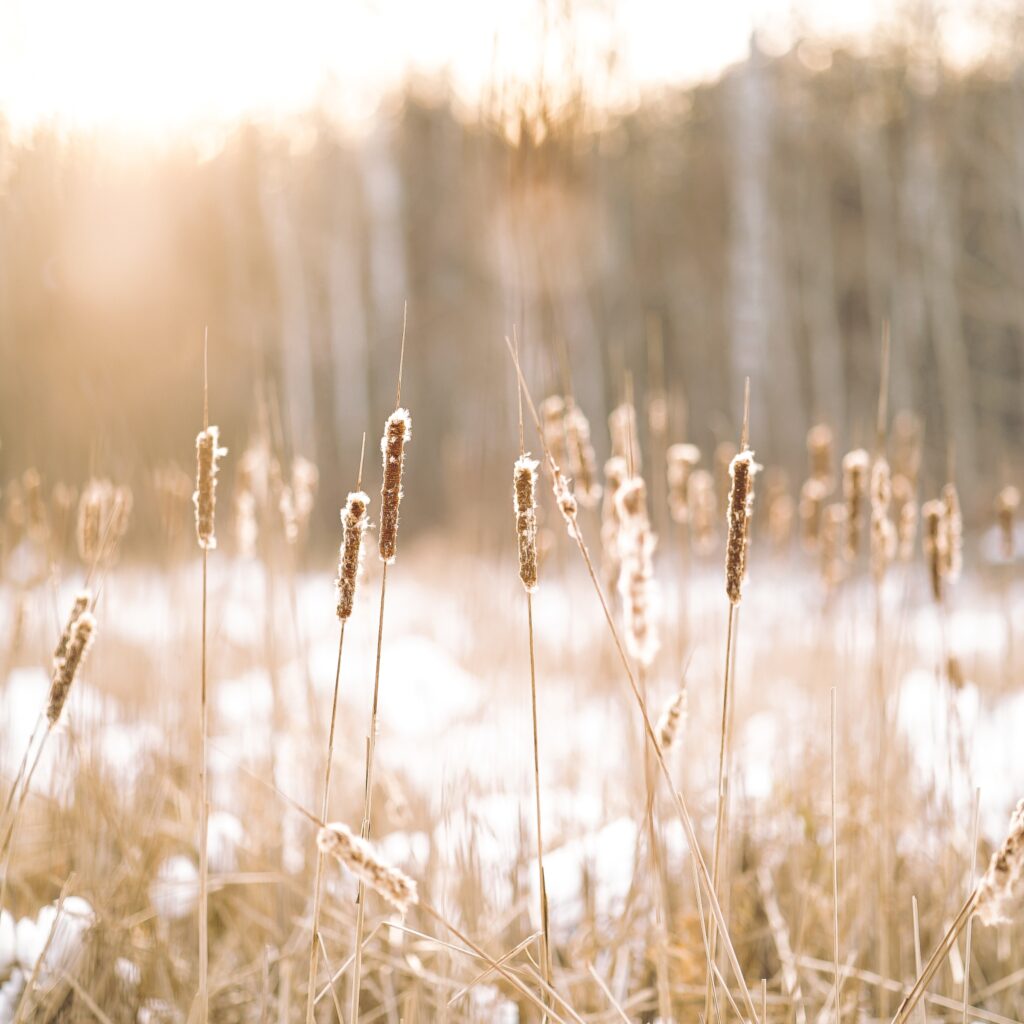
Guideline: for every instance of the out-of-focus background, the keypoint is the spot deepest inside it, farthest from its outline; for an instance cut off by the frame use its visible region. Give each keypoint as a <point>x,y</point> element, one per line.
<point>754,191</point>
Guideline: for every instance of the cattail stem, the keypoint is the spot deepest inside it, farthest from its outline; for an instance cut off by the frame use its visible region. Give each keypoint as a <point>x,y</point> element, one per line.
<point>314,950</point>
<point>204,818</point>
<point>835,855</point>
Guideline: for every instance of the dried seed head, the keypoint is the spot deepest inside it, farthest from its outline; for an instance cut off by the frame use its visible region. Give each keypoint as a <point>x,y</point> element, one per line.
<point>671,721</point>
<point>92,514</point>
<point>208,453</point>
<point>615,473</point>
<point>703,510</point>
<point>625,439</point>
<point>631,503</point>
<point>524,480</point>
<point>552,421</point>
<point>82,600</point>
<point>636,586</point>
<point>565,501</point>
<point>741,506</point>
<point>681,460</point>
<point>64,672</point>
<point>820,453</point>
<point>336,840</point>
<point>813,495</point>
<point>1007,504</point>
<point>883,534</point>
<point>582,461</point>
<point>397,431</point>
<point>932,514</point>
<point>354,522</point>
<point>953,525</point>
<point>906,515</point>
<point>833,533</point>
<point>121,505</point>
<point>1003,881</point>
<point>856,466</point>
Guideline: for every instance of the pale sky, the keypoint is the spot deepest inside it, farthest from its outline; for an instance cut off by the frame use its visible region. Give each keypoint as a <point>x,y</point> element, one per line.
<point>150,68</point>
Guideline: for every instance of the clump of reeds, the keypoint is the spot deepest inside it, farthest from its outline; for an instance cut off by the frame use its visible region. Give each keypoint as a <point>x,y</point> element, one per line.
<point>356,855</point>
<point>582,461</point>
<point>741,506</point>
<point>397,432</point>
<point>953,527</point>
<point>208,454</point>
<point>350,555</point>
<point>525,505</point>
<point>671,721</point>
<point>935,537</point>
<point>1007,504</point>
<point>856,467</point>
<point>636,546</point>
<point>883,540</point>
<point>681,460</point>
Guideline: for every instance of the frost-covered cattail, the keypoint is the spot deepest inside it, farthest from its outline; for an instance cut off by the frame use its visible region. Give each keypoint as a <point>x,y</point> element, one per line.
<point>552,422</point>
<point>397,431</point>
<point>883,533</point>
<point>92,514</point>
<point>813,495</point>
<point>856,467</point>
<point>932,515</point>
<point>625,439</point>
<point>820,453</point>
<point>566,501</point>
<point>1003,880</point>
<point>354,522</point>
<point>636,586</point>
<point>208,453</point>
<point>524,480</point>
<point>64,672</point>
<point>953,525</point>
<point>81,603</point>
<point>742,469</point>
<point>1007,504</point>
<point>582,461</point>
<point>337,841</point>
<point>681,460</point>
<point>671,721</point>
<point>905,502</point>
<point>703,510</point>
<point>833,540</point>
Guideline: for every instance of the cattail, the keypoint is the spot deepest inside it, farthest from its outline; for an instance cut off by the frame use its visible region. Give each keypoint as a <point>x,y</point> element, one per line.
<point>856,466</point>
<point>208,452</point>
<point>92,513</point>
<point>932,514</point>
<point>671,720</point>
<point>1004,878</point>
<point>565,501</point>
<point>525,504</point>
<point>820,454</point>
<point>813,495</point>
<point>906,515</point>
<point>615,472</point>
<point>552,420</point>
<point>742,470</point>
<point>883,533</point>
<point>81,603</point>
<point>397,431</point>
<point>953,525</point>
<point>1007,504</point>
<point>625,439</point>
<point>350,557</point>
<point>67,668</point>
<point>636,574</point>
<point>833,535</point>
<point>582,461</point>
<point>336,840</point>
<point>703,509</point>
<point>681,460</point>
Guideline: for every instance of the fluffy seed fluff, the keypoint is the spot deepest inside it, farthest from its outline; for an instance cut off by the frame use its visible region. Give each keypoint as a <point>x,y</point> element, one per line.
<point>681,460</point>
<point>856,467</point>
<point>208,453</point>
<point>79,641</point>
<point>565,500</point>
<point>82,600</point>
<point>350,556</point>
<point>932,515</point>
<point>582,461</point>
<point>336,840</point>
<point>742,469</point>
<point>397,432</point>
<point>524,478</point>
<point>671,721</point>
<point>1003,880</point>
<point>1007,504</point>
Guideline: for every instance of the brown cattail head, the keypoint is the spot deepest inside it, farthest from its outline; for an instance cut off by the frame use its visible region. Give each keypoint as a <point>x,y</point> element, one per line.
<point>1003,880</point>
<point>671,721</point>
<point>524,478</point>
<point>582,461</point>
<point>208,453</point>
<point>636,586</point>
<point>79,641</point>
<point>953,525</point>
<point>703,509</point>
<point>883,534</point>
<point>820,454</point>
<point>81,603</point>
<point>350,557</point>
<point>336,840</point>
<point>552,421</point>
<point>1007,504</point>
<point>681,460</point>
<point>742,469</point>
<point>813,495</point>
<point>397,431</point>
<point>625,439</point>
<point>856,467</point>
<point>932,515</point>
